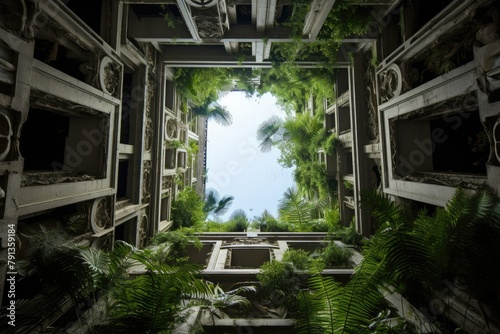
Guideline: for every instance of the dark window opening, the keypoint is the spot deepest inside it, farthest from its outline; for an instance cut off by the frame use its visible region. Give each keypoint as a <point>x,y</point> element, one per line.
<point>125,133</point>
<point>165,208</point>
<point>455,143</point>
<point>249,258</point>
<point>60,57</point>
<point>151,10</point>
<point>349,167</point>
<point>170,95</point>
<point>127,231</point>
<point>464,147</point>
<point>123,170</point>
<point>418,13</point>
<point>43,140</point>
<point>57,142</point>
<point>244,14</point>
<point>89,11</point>
<point>197,255</point>
<point>170,155</point>
<point>309,247</point>
<point>344,120</point>
<point>349,215</point>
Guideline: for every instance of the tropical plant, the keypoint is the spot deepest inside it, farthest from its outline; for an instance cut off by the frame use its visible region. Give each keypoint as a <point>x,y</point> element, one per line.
<point>270,132</point>
<point>171,246</point>
<point>412,255</point>
<point>50,278</point>
<point>266,222</point>
<point>238,221</point>
<point>300,259</point>
<point>213,111</point>
<point>294,209</point>
<point>281,283</point>
<point>216,205</point>
<point>156,301</point>
<point>187,209</point>
<point>334,255</point>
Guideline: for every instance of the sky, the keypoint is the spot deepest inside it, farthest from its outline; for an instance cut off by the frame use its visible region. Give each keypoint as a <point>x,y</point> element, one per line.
<point>236,166</point>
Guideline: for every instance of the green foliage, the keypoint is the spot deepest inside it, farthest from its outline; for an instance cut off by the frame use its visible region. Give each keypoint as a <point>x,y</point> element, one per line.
<point>334,255</point>
<point>216,205</point>
<point>49,276</point>
<point>203,85</point>
<point>412,255</point>
<point>348,185</point>
<point>238,222</point>
<point>349,235</point>
<point>154,302</point>
<point>187,209</point>
<point>215,111</point>
<point>299,258</point>
<point>279,280</point>
<point>331,144</point>
<point>266,222</point>
<point>294,209</point>
<point>172,246</point>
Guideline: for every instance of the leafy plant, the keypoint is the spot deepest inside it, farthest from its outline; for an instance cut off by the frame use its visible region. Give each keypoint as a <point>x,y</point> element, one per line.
<point>330,146</point>
<point>299,258</point>
<point>187,209</point>
<point>216,205</point>
<point>279,281</point>
<point>238,222</point>
<point>334,255</point>
<point>172,246</point>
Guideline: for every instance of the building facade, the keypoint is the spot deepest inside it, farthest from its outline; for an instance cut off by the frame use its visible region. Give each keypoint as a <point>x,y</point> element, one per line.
<point>95,138</point>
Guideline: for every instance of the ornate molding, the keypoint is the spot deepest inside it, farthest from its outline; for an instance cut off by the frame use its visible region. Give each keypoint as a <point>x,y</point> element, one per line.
<point>48,101</point>
<point>390,83</point>
<point>167,182</point>
<point>146,181</point>
<point>19,16</point>
<point>109,76</point>
<point>496,140</point>
<point>143,231</point>
<point>100,214</point>
<point>45,178</point>
<point>171,128</point>
<point>6,133</point>
<point>148,120</point>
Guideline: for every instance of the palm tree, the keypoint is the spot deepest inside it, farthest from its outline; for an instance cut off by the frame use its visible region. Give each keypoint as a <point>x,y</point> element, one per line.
<point>270,132</point>
<point>294,209</point>
<point>213,110</point>
<point>216,205</point>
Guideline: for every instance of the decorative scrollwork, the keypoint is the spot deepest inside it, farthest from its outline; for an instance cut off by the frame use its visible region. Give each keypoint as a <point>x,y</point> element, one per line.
<point>143,231</point>
<point>100,215</point>
<point>202,3</point>
<point>109,76</point>
<point>6,133</point>
<point>167,182</point>
<point>148,131</point>
<point>496,139</point>
<point>390,83</point>
<point>146,181</point>
<point>170,128</point>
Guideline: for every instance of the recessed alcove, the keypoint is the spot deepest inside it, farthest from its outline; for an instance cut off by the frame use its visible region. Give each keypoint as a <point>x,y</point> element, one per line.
<point>249,257</point>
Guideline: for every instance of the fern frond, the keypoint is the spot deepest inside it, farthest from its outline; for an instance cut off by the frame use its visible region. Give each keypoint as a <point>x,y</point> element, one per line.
<point>383,209</point>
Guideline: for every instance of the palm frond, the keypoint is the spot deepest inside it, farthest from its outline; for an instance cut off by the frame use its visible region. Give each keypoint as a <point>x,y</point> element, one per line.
<point>269,133</point>
<point>307,315</point>
<point>360,298</point>
<point>383,209</point>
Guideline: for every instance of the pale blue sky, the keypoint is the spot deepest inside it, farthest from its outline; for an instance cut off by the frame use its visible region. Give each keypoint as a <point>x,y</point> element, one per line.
<point>235,164</point>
